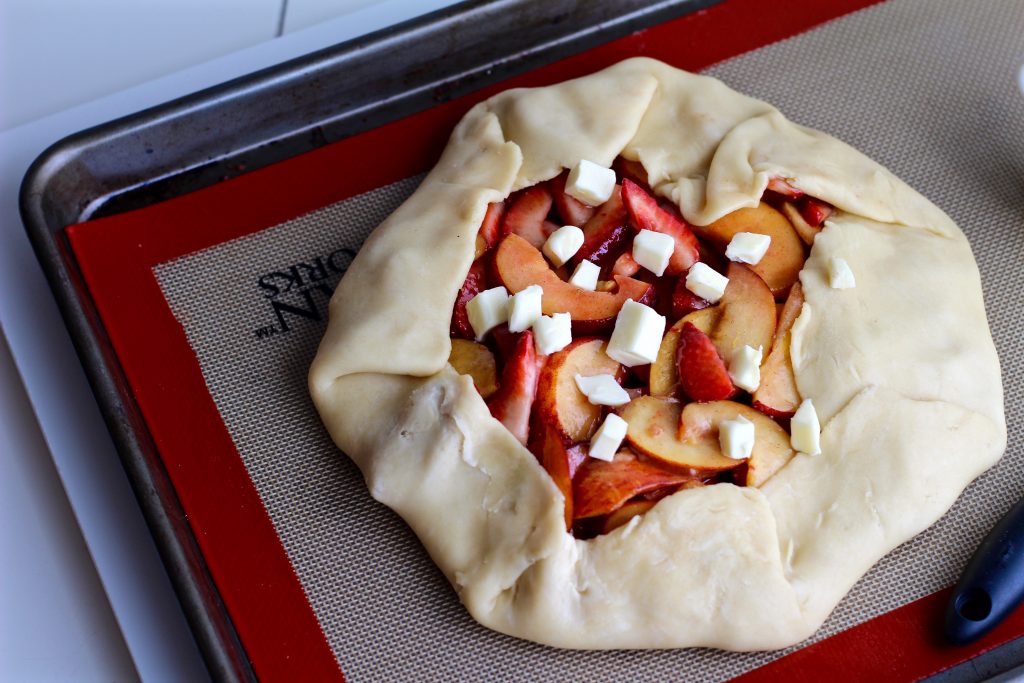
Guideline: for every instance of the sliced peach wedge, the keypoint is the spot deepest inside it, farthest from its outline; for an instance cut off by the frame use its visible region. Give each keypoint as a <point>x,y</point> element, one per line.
<point>559,400</point>
<point>664,380</point>
<point>785,256</point>
<point>699,422</point>
<point>602,487</point>
<point>606,233</point>
<point>526,215</point>
<point>560,459</point>
<point>748,313</point>
<point>654,432</point>
<point>777,394</point>
<point>571,210</point>
<point>519,265</point>
<point>477,361</point>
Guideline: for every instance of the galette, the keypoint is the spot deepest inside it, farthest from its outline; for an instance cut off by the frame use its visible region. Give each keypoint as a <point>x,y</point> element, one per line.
<point>645,365</point>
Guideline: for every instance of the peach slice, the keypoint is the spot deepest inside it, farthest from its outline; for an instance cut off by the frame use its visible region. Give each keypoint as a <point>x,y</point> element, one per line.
<point>625,513</point>
<point>748,313</point>
<point>699,424</point>
<point>785,256</point>
<point>703,374</point>
<point>511,404</point>
<point>634,170</point>
<point>490,230</point>
<point>778,395</point>
<point>520,265</point>
<point>477,361</point>
<point>602,487</point>
<point>806,231</point>
<point>664,379</point>
<point>559,401</point>
<point>654,431</point>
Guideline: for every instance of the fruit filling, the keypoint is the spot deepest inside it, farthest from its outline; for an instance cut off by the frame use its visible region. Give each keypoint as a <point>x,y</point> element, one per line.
<point>635,354</point>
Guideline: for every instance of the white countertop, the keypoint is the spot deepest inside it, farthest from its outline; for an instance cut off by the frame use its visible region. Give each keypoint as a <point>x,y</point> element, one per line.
<point>83,594</point>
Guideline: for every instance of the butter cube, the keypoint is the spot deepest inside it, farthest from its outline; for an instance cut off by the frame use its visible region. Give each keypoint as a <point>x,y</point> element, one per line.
<point>839,274</point>
<point>590,183</point>
<point>805,430</point>
<point>745,367</point>
<point>736,438</point>
<point>747,247</point>
<point>608,438</point>
<point>487,310</point>
<point>563,244</point>
<point>585,276</point>
<point>525,308</point>
<point>705,282</point>
<point>637,334</point>
<point>652,250</point>
<point>602,390</point>
<point>552,333</point>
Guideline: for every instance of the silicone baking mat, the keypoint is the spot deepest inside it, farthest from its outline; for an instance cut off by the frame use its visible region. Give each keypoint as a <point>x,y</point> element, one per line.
<point>215,303</point>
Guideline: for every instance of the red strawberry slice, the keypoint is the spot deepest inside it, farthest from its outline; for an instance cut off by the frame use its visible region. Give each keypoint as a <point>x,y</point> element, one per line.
<point>814,211</point>
<point>645,214</point>
<point>684,301</point>
<point>782,186</point>
<point>605,235</point>
<point>571,210</point>
<point>512,402</point>
<point>702,372</point>
<point>490,229</point>
<point>527,213</point>
<point>476,281</point>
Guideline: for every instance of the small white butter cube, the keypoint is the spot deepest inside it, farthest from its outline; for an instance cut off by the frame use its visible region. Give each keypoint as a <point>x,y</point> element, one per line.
<point>747,247</point>
<point>706,282</point>
<point>552,332</point>
<point>805,430</point>
<point>608,438</point>
<point>585,276</point>
<point>839,274</point>
<point>736,438</point>
<point>602,390</point>
<point>563,244</point>
<point>652,250</point>
<point>590,183</point>
<point>745,367</point>
<point>637,334</point>
<point>487,310</point>
<point>524,308</point>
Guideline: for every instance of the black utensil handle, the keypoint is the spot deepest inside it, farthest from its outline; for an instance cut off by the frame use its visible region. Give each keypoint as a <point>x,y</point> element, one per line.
<point>992,584</point>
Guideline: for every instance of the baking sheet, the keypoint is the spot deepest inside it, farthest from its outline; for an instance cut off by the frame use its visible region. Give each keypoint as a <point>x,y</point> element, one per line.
<point>896,45</point>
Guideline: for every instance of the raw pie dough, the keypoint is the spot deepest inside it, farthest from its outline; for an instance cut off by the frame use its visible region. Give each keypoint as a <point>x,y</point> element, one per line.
<point>901,368</point>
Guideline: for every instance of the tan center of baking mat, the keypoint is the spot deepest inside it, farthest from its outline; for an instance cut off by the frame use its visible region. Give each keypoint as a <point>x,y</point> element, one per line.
<point>926,88</point>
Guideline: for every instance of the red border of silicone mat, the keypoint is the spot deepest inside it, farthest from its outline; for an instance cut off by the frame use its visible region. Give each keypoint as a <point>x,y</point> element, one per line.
<point>253,574</point>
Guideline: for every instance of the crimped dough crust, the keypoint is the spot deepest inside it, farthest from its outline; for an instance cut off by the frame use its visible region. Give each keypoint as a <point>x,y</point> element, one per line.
<point>902,370</point>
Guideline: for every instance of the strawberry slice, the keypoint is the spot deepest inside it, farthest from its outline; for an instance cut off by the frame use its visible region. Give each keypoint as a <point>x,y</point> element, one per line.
<point>475,283</point>
<point>605,235</point>
<point>490,229</point>
<point>781,186</point>
<point>702,372</point>
<point>512,402</point>
<point>527,213</point>
<point>684,301</point>
<point>571,210</point>
<point>625,265</point>
<point>645,214</point>
<point>814,211</point>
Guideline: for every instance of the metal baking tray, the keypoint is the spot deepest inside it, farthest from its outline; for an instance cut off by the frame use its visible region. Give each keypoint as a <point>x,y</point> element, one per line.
<point>249,123</point>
